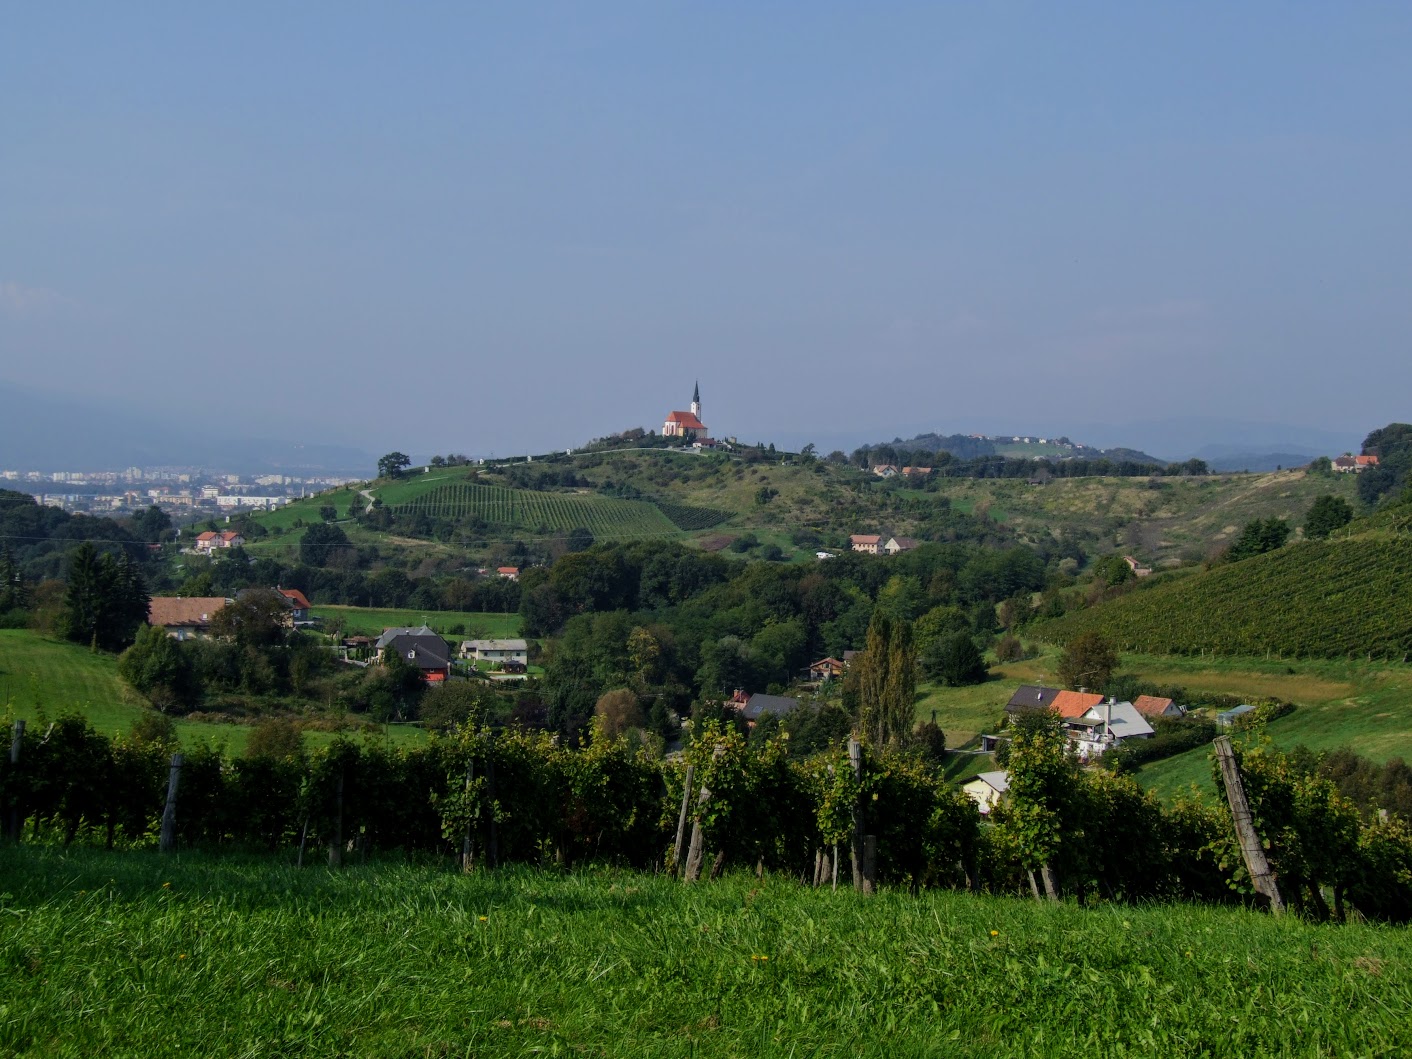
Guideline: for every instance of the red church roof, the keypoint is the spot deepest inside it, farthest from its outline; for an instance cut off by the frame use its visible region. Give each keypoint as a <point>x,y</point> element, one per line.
<point>686,420</point>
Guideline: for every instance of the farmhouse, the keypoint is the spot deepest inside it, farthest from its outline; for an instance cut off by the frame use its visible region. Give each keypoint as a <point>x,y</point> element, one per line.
<point>1106,726</point>
<point>1151,706</point>
<point>753,707</point>
<point>427,653</point>
<point>1350,464</point>
<point>510,573</point>
<point>867,543</point>
<point>987,790</point>
<point>899,544</point>
<point>501,651</point>
<point>826,669</point>
<point>211,541</point>
<point>184,617</point>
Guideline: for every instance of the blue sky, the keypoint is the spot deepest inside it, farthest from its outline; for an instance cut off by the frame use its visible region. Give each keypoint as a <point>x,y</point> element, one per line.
<point>504,227</point>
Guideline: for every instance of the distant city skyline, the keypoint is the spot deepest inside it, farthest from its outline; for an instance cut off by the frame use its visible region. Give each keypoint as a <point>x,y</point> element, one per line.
<point>489,229</point>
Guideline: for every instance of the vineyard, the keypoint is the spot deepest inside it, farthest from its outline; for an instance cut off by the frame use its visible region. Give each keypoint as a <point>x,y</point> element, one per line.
<point>1327,599</point>
<point>606,518</point>
<point>689,518</point>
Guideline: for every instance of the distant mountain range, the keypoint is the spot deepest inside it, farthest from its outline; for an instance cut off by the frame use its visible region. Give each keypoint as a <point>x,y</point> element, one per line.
<point>41,432</point>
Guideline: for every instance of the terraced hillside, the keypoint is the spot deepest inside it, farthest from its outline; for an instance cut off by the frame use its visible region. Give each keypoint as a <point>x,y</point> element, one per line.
<point>1349,597</point>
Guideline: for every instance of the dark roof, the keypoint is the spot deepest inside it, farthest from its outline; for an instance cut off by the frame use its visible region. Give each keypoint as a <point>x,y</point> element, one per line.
<point>759,705</point>
<point>424,652</point>
<point>1033,697</point>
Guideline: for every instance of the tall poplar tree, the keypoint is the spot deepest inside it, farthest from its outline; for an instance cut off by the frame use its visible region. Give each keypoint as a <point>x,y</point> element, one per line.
<point>881,682</point>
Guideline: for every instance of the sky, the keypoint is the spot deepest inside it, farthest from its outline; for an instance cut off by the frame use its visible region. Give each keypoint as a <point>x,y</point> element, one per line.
<point>514,227</point>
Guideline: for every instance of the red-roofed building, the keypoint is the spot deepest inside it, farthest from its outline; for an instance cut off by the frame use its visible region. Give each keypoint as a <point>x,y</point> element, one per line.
<point>687,424</point>
<point>1350,464</point>
<point>1074,704</point>
<point>210,540</point>
<point>867,543</point>
<point>298,604</point>
<point>1153,706</point>
<point>510,573</point>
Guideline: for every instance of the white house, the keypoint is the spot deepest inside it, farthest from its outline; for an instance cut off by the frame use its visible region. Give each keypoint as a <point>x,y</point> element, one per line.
<point>1105,726</point>
<point>496,651</point>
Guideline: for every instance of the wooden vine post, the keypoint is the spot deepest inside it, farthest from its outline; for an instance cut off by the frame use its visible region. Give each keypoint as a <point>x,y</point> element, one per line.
<point>467,859</point>
<point>167,842</point>
<point>676,862</point>
<point>335,842</point>
<point>703,802</point>
<point>864,848</point>
<point>1251,847</point>
<point>492,851</point>
<point>12,825</point>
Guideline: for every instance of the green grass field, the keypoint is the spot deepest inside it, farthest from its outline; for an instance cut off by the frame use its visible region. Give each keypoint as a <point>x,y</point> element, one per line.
<point>135,954</point>
<point>39,674</point>
<point>370,621</point>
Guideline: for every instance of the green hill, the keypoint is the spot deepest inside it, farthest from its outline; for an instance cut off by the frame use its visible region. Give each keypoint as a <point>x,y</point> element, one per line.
<point>1347,597</point>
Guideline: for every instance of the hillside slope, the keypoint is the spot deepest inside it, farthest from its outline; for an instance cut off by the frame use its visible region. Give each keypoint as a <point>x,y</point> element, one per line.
<point>1347,597</point>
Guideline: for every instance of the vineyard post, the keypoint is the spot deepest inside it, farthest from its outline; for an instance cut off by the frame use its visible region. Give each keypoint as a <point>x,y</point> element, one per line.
<point>492,853</point>
<point>1251,847</point>
<point>855,761</point>
<point>13,824</point>
<point>167,842</point>
<point>466,862</point>
<point>681,817</point>
<point>335,842</point>
<point>703,801</point>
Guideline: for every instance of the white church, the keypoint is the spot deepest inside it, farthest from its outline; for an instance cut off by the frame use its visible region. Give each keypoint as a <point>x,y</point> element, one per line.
<point>687,424</point>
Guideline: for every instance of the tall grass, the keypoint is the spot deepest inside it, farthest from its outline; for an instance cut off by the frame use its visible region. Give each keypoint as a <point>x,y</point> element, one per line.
<point>132,954</point>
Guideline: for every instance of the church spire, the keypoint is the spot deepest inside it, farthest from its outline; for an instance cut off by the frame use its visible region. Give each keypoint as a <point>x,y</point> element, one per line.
<point>696,399</point>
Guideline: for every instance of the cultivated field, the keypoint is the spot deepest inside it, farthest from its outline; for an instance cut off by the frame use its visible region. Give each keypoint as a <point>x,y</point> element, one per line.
<point>133,954</point>
<point>607,518</point>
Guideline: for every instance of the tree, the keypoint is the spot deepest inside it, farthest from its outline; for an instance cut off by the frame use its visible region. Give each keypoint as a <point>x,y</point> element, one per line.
<point>328,512</point>
<point>276,738</point>
<point>157,666</point>
<point>463,703</point>
<point>106,601</point>
<point>955,660</point>
<point>1088,662</point>
<point>393,464</point>
<point>1328,514</point>
<point>1257,537</point>
<point>880,685</point>
<point>616,711</point>
<point>323,543</point>
<point>151,525</point>
<point>258,618</point>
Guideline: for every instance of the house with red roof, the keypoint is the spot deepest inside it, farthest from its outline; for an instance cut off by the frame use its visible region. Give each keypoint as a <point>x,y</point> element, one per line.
<point>299,605</point>
<point>867,543</point>
<point>1350,464</point>
<point>210,541</point>
<point>1151,706</point>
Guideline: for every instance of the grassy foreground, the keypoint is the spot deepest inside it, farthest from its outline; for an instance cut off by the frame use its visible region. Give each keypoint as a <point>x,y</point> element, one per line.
<point>131,954</point>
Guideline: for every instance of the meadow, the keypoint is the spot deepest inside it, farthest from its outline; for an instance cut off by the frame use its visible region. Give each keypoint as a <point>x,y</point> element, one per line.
<point>370,621</point>
<point>137,954</point>
<point>44,677</point>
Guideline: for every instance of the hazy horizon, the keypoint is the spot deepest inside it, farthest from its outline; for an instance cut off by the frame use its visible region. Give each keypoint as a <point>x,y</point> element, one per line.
<point>502,230</point>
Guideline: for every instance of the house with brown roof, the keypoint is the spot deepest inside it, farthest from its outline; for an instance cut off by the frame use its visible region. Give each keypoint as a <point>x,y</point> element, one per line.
<point>184,617</point>
<point>899,544</point>
<point>210,541</point>
<point>826,669</point>
<point>1151,706</point>
<point>1351,464</point>
<point>867,543</point>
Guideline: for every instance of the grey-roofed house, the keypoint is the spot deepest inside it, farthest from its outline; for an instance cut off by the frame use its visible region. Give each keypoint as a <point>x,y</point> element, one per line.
<point>496,650</point>
<point>1032,697</point>
<point>775,705</point>
<point>427,653</point>
<point>403,630</point>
